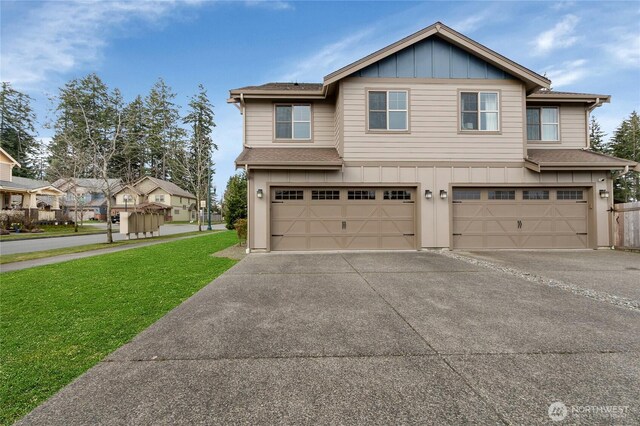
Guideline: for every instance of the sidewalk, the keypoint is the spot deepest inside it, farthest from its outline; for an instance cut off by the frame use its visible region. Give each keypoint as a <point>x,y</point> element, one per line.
<point>16,266</point>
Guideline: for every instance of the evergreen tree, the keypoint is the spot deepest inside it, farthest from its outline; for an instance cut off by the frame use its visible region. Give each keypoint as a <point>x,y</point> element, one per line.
<point>165,137</point>
<point>17,130</point>
<point>235,199</point>
<point>596,137</point>
<point>626,144</point>
<point>196,169</point>
<point>128,162</point>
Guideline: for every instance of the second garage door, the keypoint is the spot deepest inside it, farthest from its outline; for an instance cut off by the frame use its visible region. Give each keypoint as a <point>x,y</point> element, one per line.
<point>343,218</point>
<point>520,218</point>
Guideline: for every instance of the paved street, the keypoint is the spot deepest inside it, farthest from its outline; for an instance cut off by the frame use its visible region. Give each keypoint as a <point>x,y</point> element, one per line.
<point>26,246</point>
<point>373,338</point>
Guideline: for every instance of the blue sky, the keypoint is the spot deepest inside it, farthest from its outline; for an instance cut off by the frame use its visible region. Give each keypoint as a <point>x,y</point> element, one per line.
<point>582,46</point>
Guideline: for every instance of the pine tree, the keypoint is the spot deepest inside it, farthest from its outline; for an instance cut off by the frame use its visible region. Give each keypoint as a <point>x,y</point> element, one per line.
<point>235,199</point>
<point>17,130</point>
<point>626,144</point>
<point>128,163</point>
<point>165,137</point>
<point>197,166</point>
<point>596,137</point>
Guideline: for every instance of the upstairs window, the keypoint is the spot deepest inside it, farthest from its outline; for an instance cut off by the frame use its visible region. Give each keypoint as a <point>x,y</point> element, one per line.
<point>388,110</point>
<point>543,124</point>
<point>479,111</point>
<point>159,198</point>
<point>293,122</point>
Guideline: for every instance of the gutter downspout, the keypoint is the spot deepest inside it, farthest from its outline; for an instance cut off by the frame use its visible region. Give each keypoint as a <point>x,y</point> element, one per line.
<point>249,215</point>
<point>587,116</point>
<point>244,120</point>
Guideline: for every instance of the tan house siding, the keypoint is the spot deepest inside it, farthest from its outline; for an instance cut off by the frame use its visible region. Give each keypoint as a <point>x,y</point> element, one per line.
<point>434,220</point>
<point>120,198</point>
<point>152,197</point>
<point>434,122</point>
<point>259,122</point>
<point>5,172</point>
<point>573,129</point>
<point>339,121</point>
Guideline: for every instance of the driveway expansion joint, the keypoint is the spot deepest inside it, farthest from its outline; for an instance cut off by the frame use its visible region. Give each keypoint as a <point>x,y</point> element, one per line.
<point>480,394</point>
<point>600,296</point>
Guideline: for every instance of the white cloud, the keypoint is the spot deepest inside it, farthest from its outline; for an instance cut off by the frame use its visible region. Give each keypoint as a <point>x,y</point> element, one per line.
<point>625,49</point>
<point>562,5</point>
<point>472,22</point>
<point>57,37</point>
<point>331,57</point>
<point>567,73</point>
<point>270,4</point>
<point>560,36</point>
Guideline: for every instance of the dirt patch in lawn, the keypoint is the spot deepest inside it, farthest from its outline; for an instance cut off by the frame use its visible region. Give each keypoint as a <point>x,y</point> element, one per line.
<point>237,252</point>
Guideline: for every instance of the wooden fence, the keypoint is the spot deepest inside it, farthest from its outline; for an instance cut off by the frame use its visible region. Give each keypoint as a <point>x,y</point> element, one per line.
<point>627,225</point>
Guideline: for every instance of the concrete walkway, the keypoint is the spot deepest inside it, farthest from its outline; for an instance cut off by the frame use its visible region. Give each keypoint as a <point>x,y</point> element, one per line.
<point>366,338</point>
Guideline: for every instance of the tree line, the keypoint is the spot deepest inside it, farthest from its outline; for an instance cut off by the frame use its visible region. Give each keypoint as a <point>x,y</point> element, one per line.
<point>99,135</point>
<point>625,143</point>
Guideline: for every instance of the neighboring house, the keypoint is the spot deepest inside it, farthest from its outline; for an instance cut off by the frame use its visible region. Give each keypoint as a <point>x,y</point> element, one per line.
<point>157,195</point>
<point>18,193</point>
<point>87,195</point>
<point>433,141</point>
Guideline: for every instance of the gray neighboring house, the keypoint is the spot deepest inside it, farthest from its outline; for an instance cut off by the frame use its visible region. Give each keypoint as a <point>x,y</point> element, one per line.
<point>87,194</point>
<point>433,141</point>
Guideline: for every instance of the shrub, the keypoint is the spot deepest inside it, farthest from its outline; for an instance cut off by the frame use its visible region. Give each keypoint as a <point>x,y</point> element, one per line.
<point>240,226</point>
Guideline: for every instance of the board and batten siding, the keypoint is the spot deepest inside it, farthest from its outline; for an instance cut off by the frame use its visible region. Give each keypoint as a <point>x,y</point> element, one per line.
<point>434,213</point>
<point>434,123</point>
<point>573,129</point>
<point>259,117</point>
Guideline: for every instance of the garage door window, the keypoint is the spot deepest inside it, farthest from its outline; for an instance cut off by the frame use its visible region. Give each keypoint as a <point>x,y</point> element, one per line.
<point>502,195</point>
<point>569,195</point>
<point>289,195</point>
<point>536,194</point>
<point>357,194</point>
<point>397,195</point>
<point>321,194</point>
<point>466,194</point>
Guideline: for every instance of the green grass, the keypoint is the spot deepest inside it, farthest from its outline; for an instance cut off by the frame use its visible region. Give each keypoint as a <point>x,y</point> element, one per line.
<point>20,257</point>
<point>51,231</point>
<point>57,321</point>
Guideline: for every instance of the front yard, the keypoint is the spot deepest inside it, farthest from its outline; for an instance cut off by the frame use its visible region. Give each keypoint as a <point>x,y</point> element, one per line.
<point>49,231</point>
<point>59,320</point>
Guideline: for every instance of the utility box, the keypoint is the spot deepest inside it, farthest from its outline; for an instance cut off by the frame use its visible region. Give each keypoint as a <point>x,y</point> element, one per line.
<point>140,223</point>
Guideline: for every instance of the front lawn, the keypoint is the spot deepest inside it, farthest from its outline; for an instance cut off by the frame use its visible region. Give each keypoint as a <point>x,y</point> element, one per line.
<point>57,321</point>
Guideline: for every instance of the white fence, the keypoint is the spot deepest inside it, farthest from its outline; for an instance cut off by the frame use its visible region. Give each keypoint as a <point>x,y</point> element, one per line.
<point>627,225</point>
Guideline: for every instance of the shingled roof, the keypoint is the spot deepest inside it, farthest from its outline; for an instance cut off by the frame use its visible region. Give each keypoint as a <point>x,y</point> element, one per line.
<point>566,159</point>
<point>320,158</point>
<point>279,87</point>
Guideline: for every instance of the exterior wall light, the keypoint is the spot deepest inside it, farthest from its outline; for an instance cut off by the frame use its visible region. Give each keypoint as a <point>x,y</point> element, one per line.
<point>428,194</point>
<point>259,193</point>
<point>443,193</point>
<point>604,193</point>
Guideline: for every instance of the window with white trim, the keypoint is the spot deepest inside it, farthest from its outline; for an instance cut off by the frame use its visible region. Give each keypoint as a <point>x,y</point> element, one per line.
<point>388,110</point>
<point>293,122</point>
<point>159,198</point>
<point>479,111</point>
<point>543,124</point>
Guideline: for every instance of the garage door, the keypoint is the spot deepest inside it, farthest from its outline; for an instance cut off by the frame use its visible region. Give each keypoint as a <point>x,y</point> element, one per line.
<point>520,218</point>
<point>342,218</point>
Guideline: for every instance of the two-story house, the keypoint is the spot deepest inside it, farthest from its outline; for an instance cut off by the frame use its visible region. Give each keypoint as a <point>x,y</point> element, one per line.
<point>157,195</point>
<point>433,141</point>
<point>86,195</point>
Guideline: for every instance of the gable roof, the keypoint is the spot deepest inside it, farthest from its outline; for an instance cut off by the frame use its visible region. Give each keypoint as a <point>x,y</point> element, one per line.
<point>10,158</point>
<point>167,186</point>
<point>532,79</point>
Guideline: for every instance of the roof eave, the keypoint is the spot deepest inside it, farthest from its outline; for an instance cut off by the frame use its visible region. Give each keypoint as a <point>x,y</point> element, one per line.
<point>579,98</point>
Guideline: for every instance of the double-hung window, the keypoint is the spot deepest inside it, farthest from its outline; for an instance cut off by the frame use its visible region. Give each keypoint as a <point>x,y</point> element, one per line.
<point>479,111</point>
<point>388,110</point>
<point>293,122</point>
<point>543,124</point>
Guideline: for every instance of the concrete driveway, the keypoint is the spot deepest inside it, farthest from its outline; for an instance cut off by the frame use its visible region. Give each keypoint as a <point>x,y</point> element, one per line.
<point>368,338</point>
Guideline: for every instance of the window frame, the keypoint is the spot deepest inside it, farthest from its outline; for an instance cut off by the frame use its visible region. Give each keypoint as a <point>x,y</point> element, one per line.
<point>292,139</point>
<point>540,124</point>
<point>158,198</point>
<point>407,130</point>
<point>478,131</point>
